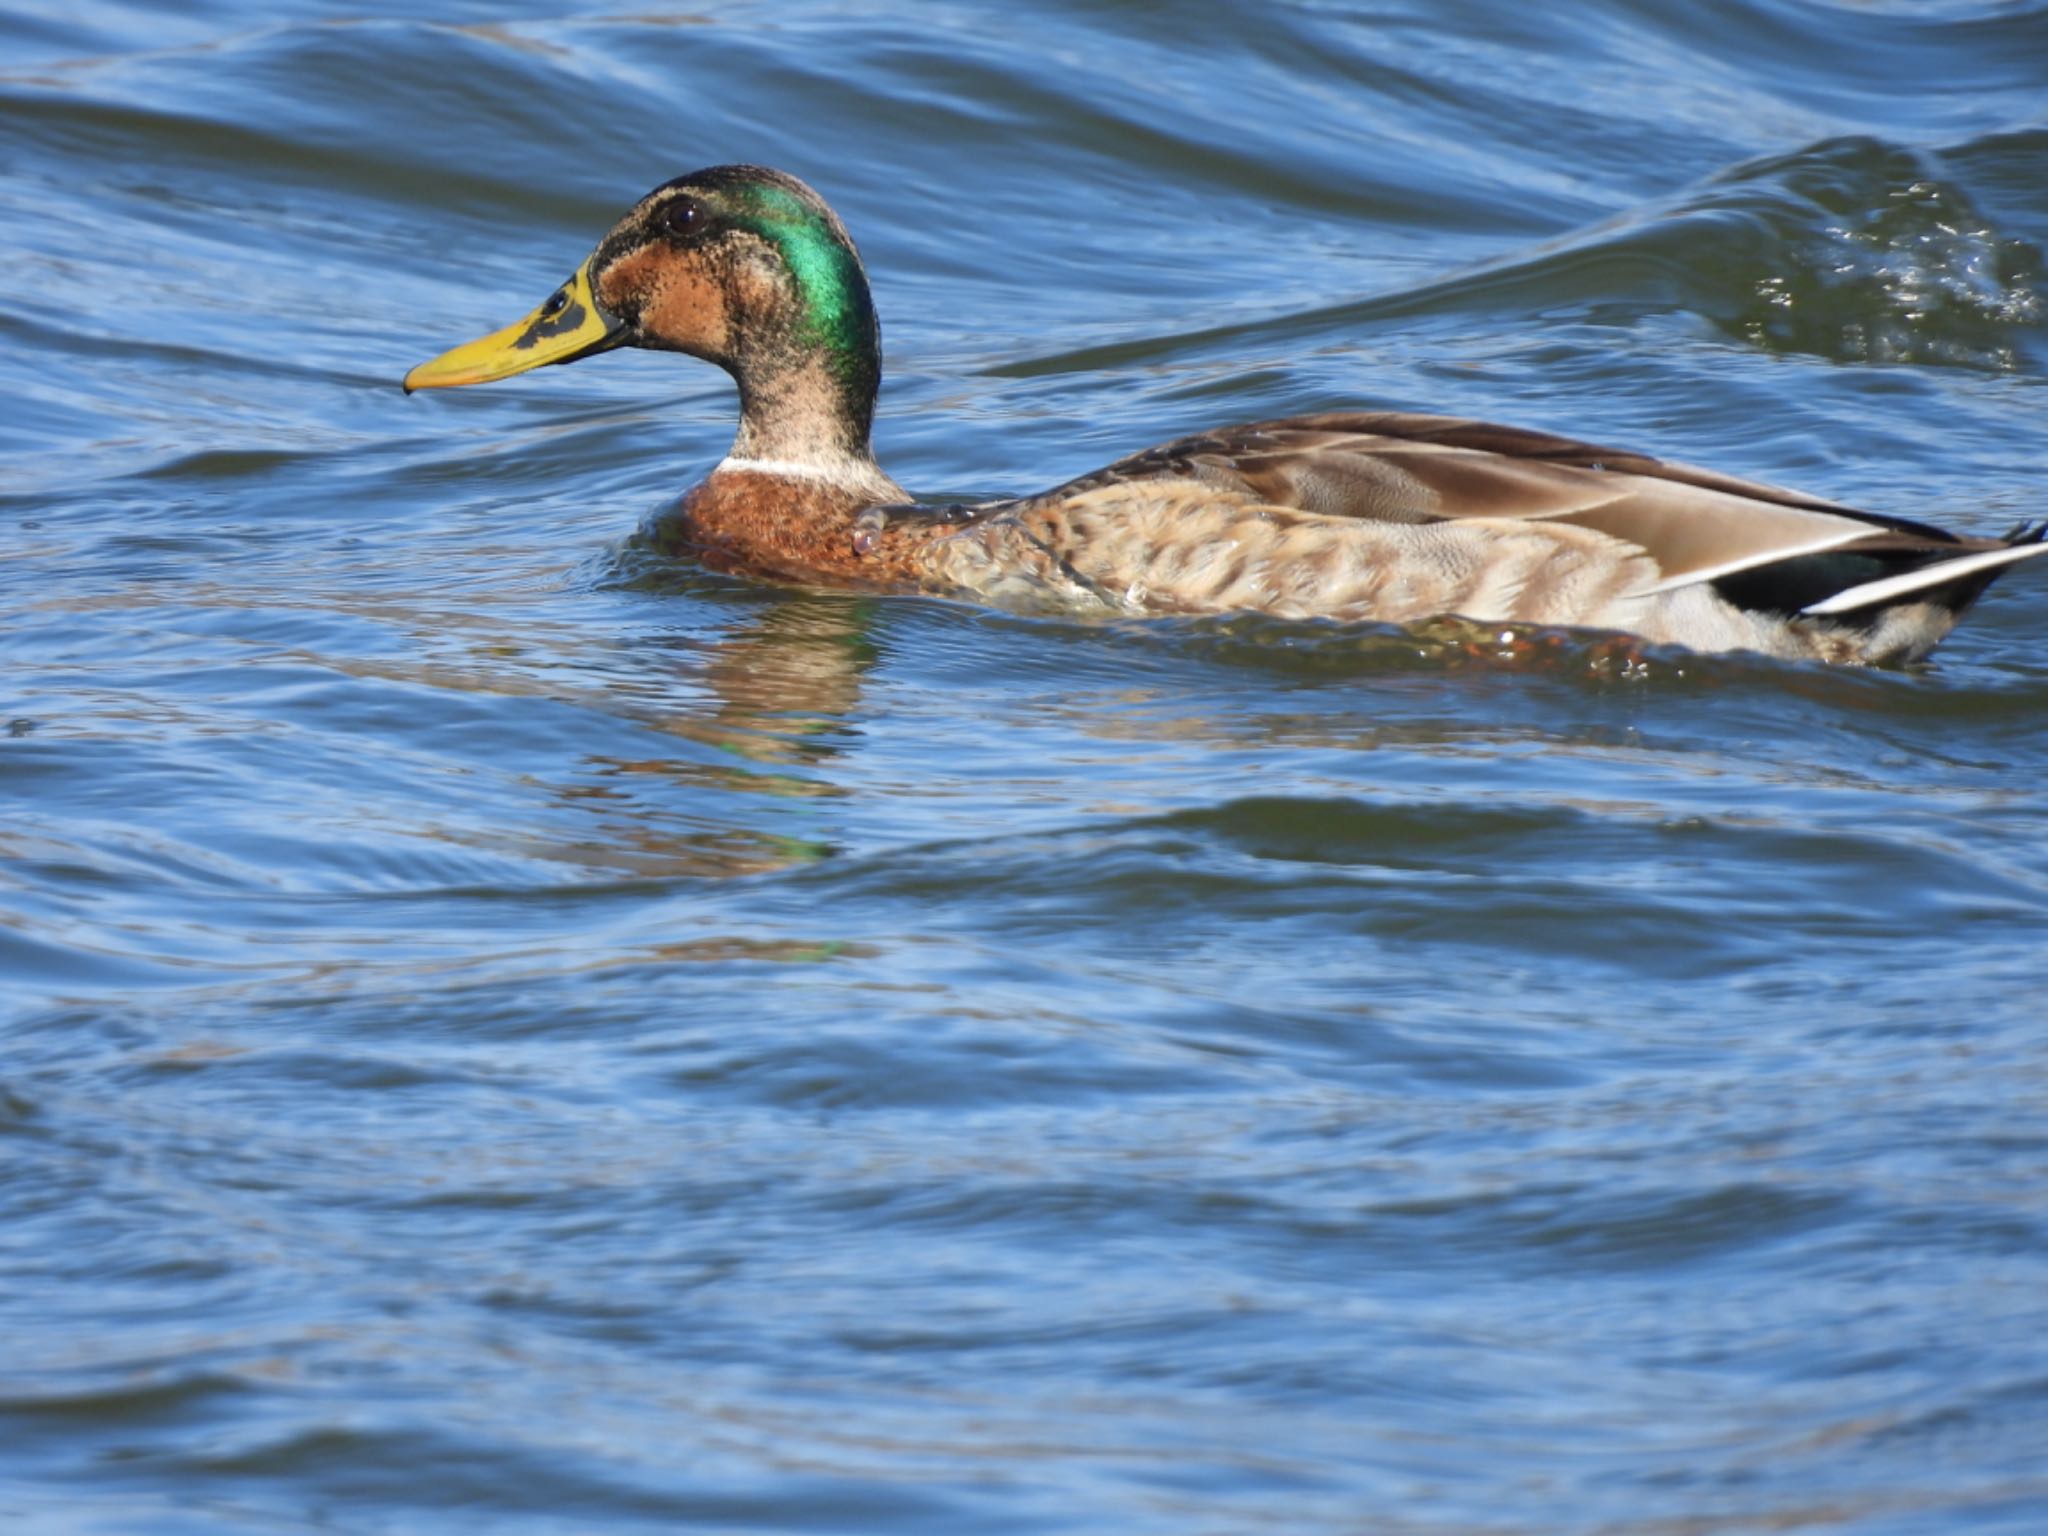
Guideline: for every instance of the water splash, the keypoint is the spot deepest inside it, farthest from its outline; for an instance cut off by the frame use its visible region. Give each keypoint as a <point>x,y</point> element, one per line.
<point>1880,260</point>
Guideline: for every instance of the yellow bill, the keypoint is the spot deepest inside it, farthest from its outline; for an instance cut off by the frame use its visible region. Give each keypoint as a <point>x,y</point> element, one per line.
<point>568,326</point>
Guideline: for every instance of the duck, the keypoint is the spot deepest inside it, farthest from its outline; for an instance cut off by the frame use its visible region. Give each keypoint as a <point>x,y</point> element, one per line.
<point>1371,516</point>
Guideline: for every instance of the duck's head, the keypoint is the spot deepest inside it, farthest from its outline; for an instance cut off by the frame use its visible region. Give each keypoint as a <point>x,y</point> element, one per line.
<point>740,265</point>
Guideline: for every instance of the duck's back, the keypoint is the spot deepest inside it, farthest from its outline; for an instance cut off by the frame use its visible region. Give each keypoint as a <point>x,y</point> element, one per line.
<point>1396,517</point>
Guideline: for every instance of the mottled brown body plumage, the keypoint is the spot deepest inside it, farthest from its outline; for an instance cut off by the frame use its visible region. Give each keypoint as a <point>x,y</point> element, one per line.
<point>1370,516</point>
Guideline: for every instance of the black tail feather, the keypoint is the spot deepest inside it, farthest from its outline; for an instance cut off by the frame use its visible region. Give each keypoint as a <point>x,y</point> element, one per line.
<point>1794,586</point>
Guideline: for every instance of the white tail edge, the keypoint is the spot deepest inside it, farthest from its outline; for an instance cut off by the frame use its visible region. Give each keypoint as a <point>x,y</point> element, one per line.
<point>1938,574</point>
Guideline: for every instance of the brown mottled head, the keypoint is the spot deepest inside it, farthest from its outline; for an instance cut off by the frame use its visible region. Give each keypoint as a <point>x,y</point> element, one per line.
<point>739,265</point>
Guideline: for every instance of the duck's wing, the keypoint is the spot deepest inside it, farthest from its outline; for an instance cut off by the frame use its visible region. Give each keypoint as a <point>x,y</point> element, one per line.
<point>1695,525</point>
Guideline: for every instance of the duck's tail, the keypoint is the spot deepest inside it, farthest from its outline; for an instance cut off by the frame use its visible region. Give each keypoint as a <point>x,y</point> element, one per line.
<point>1951,581</point>
<point>1902,613</point>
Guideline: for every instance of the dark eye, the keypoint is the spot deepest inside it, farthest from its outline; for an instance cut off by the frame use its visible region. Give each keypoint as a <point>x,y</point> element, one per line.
<point>680,217</point>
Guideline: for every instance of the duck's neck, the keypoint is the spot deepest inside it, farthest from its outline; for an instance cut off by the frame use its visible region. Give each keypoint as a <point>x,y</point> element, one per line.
<point>807,418</point>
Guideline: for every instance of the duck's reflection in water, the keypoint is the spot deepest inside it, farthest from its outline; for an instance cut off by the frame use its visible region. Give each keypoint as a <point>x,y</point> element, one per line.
<point>767,708</point>
<point>792,678</point>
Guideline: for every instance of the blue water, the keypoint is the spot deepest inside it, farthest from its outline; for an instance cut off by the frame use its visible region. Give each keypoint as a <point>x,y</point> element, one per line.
<point>500,1032</point>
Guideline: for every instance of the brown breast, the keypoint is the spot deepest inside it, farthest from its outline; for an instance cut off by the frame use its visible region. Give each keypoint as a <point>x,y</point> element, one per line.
<point>783,528</point>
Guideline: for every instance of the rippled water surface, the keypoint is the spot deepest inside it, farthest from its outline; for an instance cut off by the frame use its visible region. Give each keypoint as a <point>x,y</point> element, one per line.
<point>505,1033</point>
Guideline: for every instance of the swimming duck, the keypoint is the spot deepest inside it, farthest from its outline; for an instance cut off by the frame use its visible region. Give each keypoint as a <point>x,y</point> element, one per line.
<point>1382,516</point>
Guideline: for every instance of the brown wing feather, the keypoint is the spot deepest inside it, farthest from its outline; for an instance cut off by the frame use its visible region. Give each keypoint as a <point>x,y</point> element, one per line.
<point>1409,468</point>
